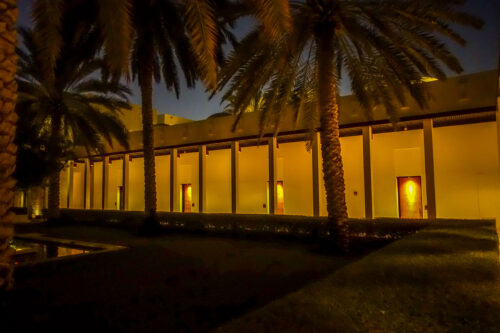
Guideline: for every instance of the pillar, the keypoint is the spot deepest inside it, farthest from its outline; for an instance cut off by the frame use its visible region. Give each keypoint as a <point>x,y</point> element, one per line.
<point>105,179</point>
<point>367,171</point>
<point>315,172</point>
<point>91,185</point>
<point>70,185</point>
<point>429,169</point>
<point>202,166</point>
<point>126,180</point>
<point>86,172</point>
<point>174,200</point>
<point>272,174</point>
<point>235,176</point>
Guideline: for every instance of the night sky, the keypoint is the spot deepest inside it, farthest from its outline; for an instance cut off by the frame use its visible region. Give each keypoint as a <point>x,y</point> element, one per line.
<point>480,54</point>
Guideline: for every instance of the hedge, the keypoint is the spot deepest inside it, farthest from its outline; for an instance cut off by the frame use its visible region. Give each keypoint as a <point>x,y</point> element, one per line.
<point>248,224</point>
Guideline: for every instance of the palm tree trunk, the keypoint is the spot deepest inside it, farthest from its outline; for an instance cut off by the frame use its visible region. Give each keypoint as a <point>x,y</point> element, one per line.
<point>330,139</point>
<point>146,84</point>
<point>54,179</point>
<point>8,118</point>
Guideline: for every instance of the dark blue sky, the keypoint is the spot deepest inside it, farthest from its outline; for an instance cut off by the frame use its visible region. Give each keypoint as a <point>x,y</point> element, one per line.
<point>480,54</point>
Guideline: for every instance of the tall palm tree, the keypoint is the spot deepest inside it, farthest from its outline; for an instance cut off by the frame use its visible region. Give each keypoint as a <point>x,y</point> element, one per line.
<point>71,107</point>
<point>384,47</point>
<point>8,96</point>
<point>159,40</point>
<point>158,32</point>
<point>191,32</point>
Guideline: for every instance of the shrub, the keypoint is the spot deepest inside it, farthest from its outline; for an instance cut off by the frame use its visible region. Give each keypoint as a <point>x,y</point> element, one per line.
<point>289,226</point>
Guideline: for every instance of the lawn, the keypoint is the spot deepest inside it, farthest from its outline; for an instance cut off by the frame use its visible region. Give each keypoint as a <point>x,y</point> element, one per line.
<point>169,283</point>
<point>445,278</point>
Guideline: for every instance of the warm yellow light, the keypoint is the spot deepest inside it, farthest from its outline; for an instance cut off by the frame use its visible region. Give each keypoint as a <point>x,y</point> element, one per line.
<point>410,192</point>
<point>188,192</point>
<point>279,191</point>
<point>410,189</point>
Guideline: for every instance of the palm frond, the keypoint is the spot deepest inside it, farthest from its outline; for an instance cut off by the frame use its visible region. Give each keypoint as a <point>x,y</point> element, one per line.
<point>116,26</point>
<point>201,25</point>
<point>48,24</point>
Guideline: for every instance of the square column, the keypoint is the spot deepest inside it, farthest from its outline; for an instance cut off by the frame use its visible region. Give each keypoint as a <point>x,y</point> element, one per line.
<point>202,166</point>
<point>315,172</point>
<point>367,171</point>
<point>174,200</point>
<point>429,169</point>
<point>235,176</point>
<point>272,143</point>
<point>86,177</point>
<point>105,180</point>
<point>126,181</point>
<point>70,185</point>
<point>91,184</point>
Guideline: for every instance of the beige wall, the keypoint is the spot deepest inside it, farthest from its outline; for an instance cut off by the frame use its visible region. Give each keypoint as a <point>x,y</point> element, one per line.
<point>295,170</point>
<point>78,184</point>
<point>162,164</point>
<point>396,154</point>
<point>187,173</point>
<point>218,181</point>
<point>466,175</point>
<point>136,181</point>
<point>97,204</point>
<point>254,175</point>
<point>115,179</point>
<point>352,159</point>
<point>466,168</point>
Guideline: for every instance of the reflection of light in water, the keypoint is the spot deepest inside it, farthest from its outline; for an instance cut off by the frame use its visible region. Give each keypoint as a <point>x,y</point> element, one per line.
<point>35,251</point>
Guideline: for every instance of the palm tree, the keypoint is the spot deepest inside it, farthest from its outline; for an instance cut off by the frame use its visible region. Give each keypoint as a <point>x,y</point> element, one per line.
<point>8,95</point>
<point>157,32</point>
<point>192,32</point>
<point>159,40</point>
<point>384,47</point>
<point>71,107</point>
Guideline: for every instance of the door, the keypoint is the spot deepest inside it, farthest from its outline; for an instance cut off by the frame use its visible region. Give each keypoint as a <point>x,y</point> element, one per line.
<point>410,197</point>
<point>186,198</point>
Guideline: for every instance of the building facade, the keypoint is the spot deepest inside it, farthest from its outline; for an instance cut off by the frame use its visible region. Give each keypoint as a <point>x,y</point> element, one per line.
<point>439,162</point>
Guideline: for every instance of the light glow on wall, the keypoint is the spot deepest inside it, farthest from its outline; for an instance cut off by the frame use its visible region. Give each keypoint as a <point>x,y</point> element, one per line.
<point>410,197</point>
<point>410,193</point>
<point>280,198</point>
<point>279,191</point>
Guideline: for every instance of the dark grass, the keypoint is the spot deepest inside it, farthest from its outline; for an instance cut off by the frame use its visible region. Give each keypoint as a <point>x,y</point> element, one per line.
<point>169,283</point>
<point>445,278</point>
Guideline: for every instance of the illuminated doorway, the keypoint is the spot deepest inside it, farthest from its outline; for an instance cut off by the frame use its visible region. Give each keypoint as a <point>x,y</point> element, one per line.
<point>186,198</point>
<point>410,197</point>
<point>280,200</point>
